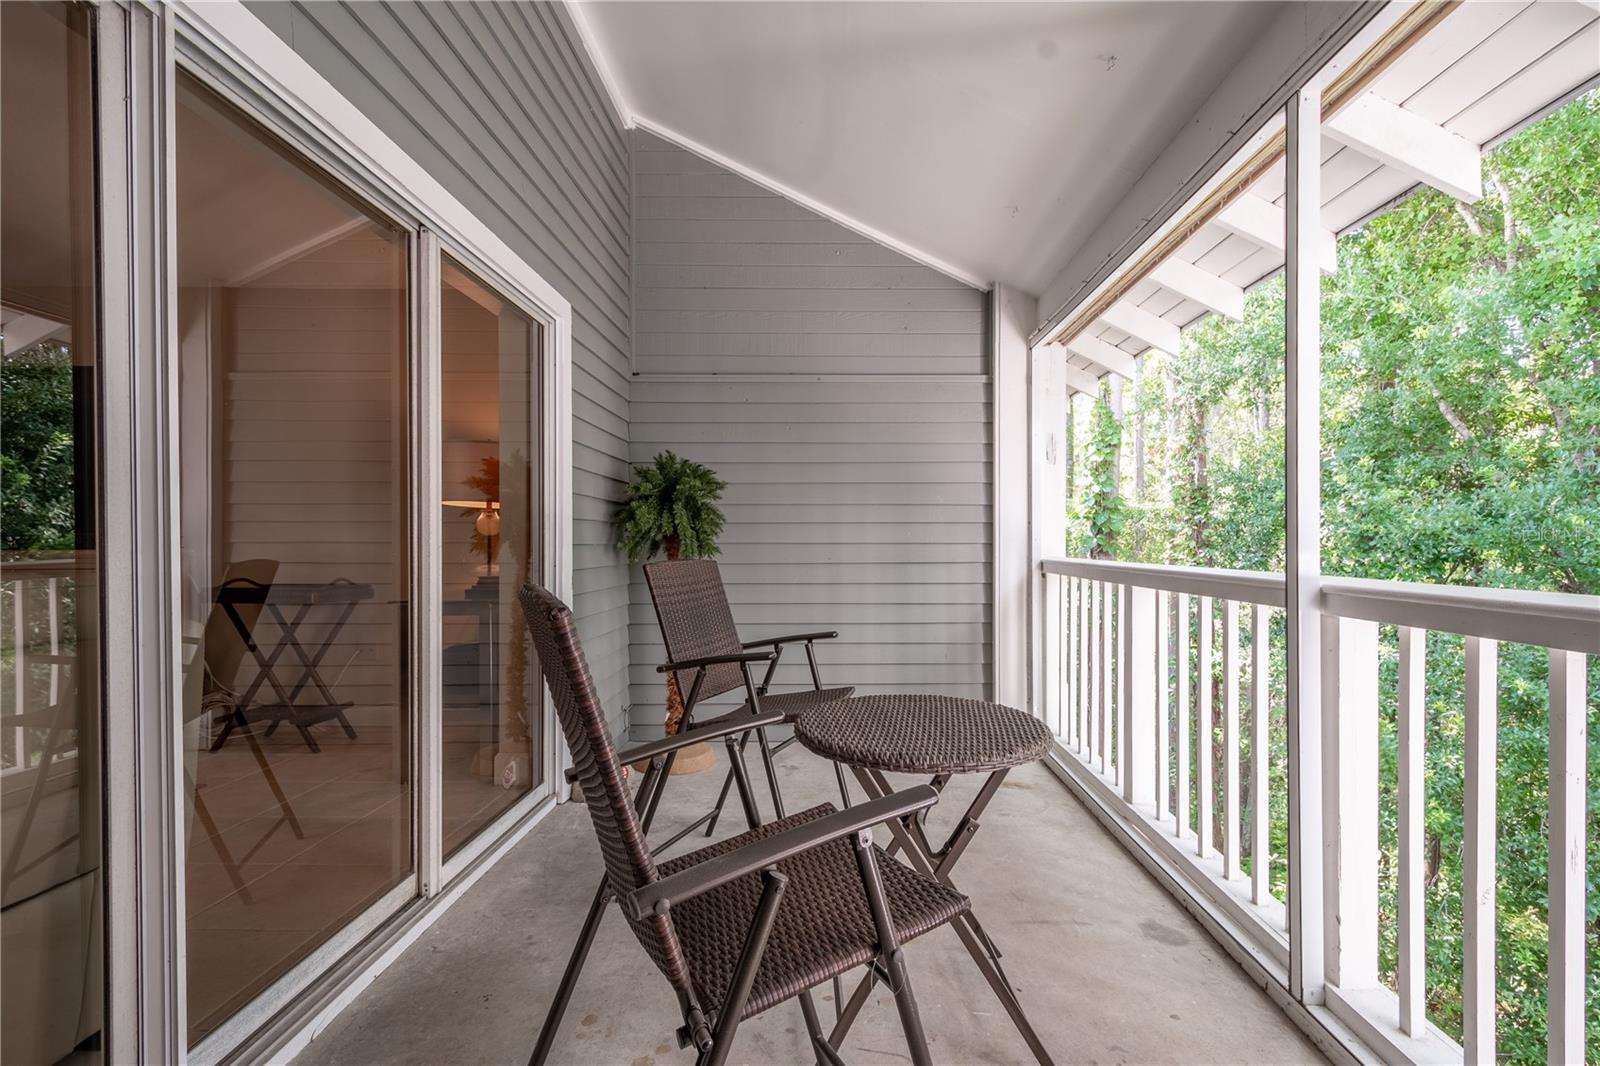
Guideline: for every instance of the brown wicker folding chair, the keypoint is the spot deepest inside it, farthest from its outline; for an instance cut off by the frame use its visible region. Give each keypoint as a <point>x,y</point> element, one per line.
<point>751,922</point>
<point>698,630</point>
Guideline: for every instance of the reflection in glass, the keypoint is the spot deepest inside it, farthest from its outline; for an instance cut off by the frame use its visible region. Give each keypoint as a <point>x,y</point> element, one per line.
<point>492,755</point>
<point>50,849</point>
<point>294,466</point>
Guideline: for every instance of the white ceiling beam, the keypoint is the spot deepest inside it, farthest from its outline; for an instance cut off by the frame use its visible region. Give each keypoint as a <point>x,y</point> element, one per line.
<point>1154,330</point>
<point>24,331</point>
<point>1411,144</point>
<point>1107,357</point>
<point>1080,380</point>
<point>1262,222</point>
<point>1201,286</point>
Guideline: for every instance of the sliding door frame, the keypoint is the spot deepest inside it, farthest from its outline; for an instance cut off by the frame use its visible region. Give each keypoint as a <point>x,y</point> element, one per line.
<point>139,49</point>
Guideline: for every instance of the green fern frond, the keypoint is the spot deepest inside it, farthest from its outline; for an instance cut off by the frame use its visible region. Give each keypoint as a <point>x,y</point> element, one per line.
<point>670,498</point>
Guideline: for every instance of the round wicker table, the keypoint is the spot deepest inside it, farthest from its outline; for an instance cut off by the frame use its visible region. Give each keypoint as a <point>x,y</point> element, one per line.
<point>939,736</point>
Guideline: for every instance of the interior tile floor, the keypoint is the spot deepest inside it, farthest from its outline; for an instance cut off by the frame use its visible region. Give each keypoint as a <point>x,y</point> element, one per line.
<point>1111,969</point>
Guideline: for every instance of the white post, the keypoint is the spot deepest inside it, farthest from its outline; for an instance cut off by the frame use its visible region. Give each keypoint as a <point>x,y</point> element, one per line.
<point>1477,867</point>
<point>1048,411</point>
<point>1568,745</point>
<point>1302,396</point>
<point>1012,316</point>
<point>1350,801</point>
<point>1412,969</point>
<point>1138,736</point>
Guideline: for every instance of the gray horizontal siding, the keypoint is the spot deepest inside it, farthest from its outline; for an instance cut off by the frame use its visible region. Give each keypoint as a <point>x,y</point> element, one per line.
<point>498,102</point>
<point>852,428</point>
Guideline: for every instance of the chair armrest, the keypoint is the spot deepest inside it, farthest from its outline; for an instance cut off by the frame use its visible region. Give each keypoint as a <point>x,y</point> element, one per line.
<point>758,855</point>
<point>653,748</point>
<point>796,638</point>
<point>714,660</point>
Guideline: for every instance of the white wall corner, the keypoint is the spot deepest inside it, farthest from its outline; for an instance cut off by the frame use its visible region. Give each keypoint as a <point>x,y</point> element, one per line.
<point>1012,315</point>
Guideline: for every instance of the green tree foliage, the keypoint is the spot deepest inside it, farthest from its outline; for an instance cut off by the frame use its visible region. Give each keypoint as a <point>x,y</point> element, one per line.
<point>1461,445</point>
<point>36,463</point>
<point>670,506</point>
<point>1103,512</point>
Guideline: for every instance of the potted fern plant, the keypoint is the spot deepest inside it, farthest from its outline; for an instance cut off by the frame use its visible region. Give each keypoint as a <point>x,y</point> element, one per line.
<point>670,508</point>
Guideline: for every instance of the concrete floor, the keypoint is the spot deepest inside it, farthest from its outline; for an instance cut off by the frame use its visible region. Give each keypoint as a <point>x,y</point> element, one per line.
<point>1111,969</point>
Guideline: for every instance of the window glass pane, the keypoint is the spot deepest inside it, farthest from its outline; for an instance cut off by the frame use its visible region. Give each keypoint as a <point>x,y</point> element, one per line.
<point>492,725</point>
<point>294,472</point>
<point>50,849</point>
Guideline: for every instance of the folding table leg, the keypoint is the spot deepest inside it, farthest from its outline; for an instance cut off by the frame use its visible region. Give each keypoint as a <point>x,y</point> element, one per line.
<point>914,845</point>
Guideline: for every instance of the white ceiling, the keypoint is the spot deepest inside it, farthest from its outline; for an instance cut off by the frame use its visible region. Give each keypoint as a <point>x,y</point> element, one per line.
<point>989,137</point>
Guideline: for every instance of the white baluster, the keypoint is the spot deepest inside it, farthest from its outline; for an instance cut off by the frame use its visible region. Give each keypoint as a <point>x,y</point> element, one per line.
<point>1350,804</point>
<point>1068,696</point>
<point>1568,745</point>
<point>1230,739</point>
<point>1180,809</point>
<point>1477,868</point>
<point>1092,697</point>
<point>1138,734</point>
<point>1412,969</point>
<point>1052,649</point>
<point>1163,707</point>
<point>1108,699</point>
<point>1203,772</point>
<point>1260,749</point>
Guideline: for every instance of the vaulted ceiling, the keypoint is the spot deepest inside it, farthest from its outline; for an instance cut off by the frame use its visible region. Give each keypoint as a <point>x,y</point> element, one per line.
<point>989,137</point>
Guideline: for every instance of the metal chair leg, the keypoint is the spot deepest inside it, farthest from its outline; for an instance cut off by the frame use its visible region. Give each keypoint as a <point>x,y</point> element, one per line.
<point>772,773</point>
<point>744,977</point>
<point>890,956</point>
<point>752,813</point>
<point>722,798</point>
<point>819,1042</point>
<point>569,978</point>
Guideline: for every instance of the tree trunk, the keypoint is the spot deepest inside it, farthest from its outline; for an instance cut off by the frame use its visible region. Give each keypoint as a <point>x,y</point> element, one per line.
<point>1116,416</point>
<point>1138,430</point>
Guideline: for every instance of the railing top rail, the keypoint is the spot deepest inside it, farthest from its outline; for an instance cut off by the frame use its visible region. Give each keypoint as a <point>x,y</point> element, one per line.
<point>1242,586</point>
<point>1546,619</point>
<point>65,565</point>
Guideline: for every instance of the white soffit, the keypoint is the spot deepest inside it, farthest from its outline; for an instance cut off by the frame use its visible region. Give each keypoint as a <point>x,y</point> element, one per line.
<point>984,139</point>
<point>1485,70</point>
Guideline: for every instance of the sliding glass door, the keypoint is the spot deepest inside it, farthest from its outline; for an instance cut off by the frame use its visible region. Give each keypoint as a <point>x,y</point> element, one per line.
<point>51,884</point>
<point>492,752</point>
<point>293,322</point>
<point>282,432</point>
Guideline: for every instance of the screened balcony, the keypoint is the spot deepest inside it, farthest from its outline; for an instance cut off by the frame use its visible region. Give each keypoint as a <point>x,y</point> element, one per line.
<point>1212,384</point>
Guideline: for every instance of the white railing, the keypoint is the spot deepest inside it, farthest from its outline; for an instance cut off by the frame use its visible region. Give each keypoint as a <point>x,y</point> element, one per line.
<point>36,603</point>
<point>1131,683</point>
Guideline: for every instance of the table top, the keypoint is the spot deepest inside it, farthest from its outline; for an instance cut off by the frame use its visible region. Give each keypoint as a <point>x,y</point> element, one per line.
<point>923,734</point>
<point>289,592</point>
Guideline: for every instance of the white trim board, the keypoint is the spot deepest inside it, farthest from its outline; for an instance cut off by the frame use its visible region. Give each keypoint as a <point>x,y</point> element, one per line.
<point>631,119</point>
<point>854,225</point>
<point>591,46</point>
